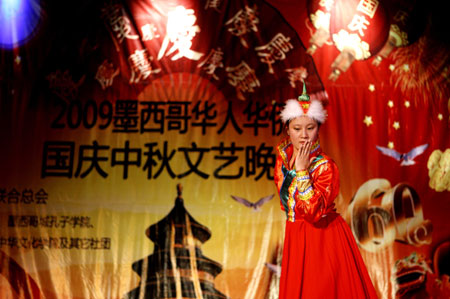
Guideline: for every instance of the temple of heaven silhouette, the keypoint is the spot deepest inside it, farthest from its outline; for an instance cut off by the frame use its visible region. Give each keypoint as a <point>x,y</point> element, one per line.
<point>177,268</point>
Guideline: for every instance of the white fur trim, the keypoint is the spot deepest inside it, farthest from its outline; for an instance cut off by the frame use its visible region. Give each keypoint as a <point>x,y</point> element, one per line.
<point>317,112</point>
<point>293,109</point>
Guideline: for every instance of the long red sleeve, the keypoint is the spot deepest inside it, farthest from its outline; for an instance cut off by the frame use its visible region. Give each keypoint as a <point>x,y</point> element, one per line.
<point>307,194</point>
<point>316,191</point>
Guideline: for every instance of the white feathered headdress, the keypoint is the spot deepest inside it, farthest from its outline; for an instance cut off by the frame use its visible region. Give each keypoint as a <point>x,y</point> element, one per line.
<point>303,106</point>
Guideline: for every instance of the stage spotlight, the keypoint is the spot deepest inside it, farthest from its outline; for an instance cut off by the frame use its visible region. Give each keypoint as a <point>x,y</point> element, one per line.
<point>18,22</point>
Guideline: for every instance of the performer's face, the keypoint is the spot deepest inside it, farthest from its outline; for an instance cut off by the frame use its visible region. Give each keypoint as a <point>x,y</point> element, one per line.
<point>302,129</point>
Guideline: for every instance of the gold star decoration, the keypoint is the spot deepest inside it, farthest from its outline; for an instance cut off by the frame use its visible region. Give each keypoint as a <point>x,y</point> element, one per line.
<point>391,67</point>
<point>391,104</point>
<point>390,144</point>
<point>368,120</point>
<point>407,104</point>
<point>440,116</point>
<point>396,125</point>
<point>371,87</point>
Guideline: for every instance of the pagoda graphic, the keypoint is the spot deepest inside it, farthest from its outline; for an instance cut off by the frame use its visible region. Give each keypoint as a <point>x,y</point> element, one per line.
<point>177,268</point>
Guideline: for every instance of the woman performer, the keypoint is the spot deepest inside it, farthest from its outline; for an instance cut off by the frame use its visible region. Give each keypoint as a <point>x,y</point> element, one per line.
<point>320,256</point>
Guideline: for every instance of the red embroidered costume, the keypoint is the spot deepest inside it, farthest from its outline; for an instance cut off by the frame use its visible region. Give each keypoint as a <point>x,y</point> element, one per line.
<point>320,256</point>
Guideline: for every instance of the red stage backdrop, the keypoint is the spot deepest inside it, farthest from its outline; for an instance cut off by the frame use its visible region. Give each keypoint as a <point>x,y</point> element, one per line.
<point>138,143</point>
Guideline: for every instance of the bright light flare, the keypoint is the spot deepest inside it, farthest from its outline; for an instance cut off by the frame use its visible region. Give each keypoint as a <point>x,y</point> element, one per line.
<point>18,21</point>
<point>321,20</point>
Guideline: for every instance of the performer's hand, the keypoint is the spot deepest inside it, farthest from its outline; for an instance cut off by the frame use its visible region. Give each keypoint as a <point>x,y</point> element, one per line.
<point>302,160</point>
